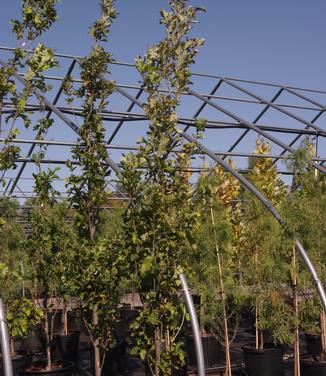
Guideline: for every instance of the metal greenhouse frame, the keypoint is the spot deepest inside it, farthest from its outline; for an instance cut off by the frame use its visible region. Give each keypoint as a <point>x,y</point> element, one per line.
<point>236,112</point>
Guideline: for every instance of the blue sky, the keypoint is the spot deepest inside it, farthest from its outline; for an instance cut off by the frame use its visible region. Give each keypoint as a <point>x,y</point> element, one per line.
<point>278,41</point>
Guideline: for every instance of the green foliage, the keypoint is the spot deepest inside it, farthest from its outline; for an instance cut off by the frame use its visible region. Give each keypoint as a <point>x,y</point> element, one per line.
<point>299,161</point>
<point>216,194</point>
<point>267,268</point>
<point>8,156</point>
<point>44,188</point>
<point>88,190</point>
<point>99,262</point>
<point>22,314</point>
<point>47,236</point>
<point>304,211</point>
<point>159,222</point>
<point>42,59</point>
<point>101,27</point>
<point>11,232</point>
<point>37,17</point>
<point>97,281</point>
<point>171,58</point>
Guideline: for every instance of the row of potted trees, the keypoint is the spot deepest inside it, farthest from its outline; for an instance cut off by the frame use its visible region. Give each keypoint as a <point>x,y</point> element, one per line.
<point>229,272</point>
<point>258,261</point>
<point>228,279</point>
<point>236,255</point>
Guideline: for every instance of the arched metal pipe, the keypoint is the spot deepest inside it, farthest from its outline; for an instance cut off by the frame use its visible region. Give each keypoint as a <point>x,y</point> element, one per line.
<point>5,346</point>
<point>194,324</point>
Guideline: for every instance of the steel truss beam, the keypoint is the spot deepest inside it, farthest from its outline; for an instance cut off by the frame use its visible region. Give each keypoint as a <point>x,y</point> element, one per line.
<point>206,99</point>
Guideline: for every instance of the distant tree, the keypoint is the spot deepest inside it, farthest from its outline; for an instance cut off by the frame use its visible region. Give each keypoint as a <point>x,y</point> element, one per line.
<point>266,270</point>
<point>305,210</point>
<point>11,232</point>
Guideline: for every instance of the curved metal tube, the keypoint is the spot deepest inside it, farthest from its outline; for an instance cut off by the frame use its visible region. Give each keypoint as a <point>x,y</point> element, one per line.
<point>313,272</point>
<point>195,326</point>
<point>5,346</point>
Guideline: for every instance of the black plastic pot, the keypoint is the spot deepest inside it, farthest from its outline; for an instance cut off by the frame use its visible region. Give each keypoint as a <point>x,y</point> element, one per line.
<point>265,362</point>
<point>18,361</point>
<point>66,346</point>
<point>35,342</point>
<point>314,345</point>
<point>211,347</point>
<point>128,314</point>
<point>114,358</point>
<point>38,369</point>
<point>122,325</point>
<point>313,368</point>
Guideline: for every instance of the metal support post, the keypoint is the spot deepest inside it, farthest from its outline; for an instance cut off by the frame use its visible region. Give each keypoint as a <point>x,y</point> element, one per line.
<point>5,346</point>
<point>195,326</point>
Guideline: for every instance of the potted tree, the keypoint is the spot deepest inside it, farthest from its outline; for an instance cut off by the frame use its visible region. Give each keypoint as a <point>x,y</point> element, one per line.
<point>99,261</point>
<point>266,271</point>
<point>11,232</point>
<point>159,220</point>
<point>305,210</point>
<point>66,341</point>
<point>43,246</point>
<point>22,314</point>
<point>214,270</point>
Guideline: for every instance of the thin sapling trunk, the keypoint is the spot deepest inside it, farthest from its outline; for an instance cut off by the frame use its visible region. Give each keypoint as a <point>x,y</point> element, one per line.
<point>64,319</point>
<point>223,300</point>
<point>97,353</point>
<point>323,334</point>
<point>202,315</point>
<point>47,334</point>
<point>297,371</point>
<point>12,346</point>
<point>259,332</point>
<point>158,341</point>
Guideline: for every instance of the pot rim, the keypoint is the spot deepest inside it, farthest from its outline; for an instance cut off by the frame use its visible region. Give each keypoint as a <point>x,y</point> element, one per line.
<point>250,348</point>
<point>66,365</point>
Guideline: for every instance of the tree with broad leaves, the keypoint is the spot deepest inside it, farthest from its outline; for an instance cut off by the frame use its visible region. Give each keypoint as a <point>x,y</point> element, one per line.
<point>99,262</point>
<point>159,222</point>
<point>37,17</point>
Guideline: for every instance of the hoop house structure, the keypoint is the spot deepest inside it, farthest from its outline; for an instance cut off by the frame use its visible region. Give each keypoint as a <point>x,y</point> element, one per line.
<point>235,110</point>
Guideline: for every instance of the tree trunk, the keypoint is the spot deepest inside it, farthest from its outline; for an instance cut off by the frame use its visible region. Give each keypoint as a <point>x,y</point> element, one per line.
<point>223,300</point>
<point>256,325</point>
<point>259,332</point>
<point>47,334</point>
<point>323,334</point>
<point>96,344</point>
<point>157,350</point>
<point>297,371</point>
<point>64,319</point>
<point>12,347</point>
<point>202,315</point>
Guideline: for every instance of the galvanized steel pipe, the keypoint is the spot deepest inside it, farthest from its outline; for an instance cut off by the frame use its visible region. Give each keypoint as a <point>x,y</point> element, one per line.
<point>5,345</point>
<point>195,326</point>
